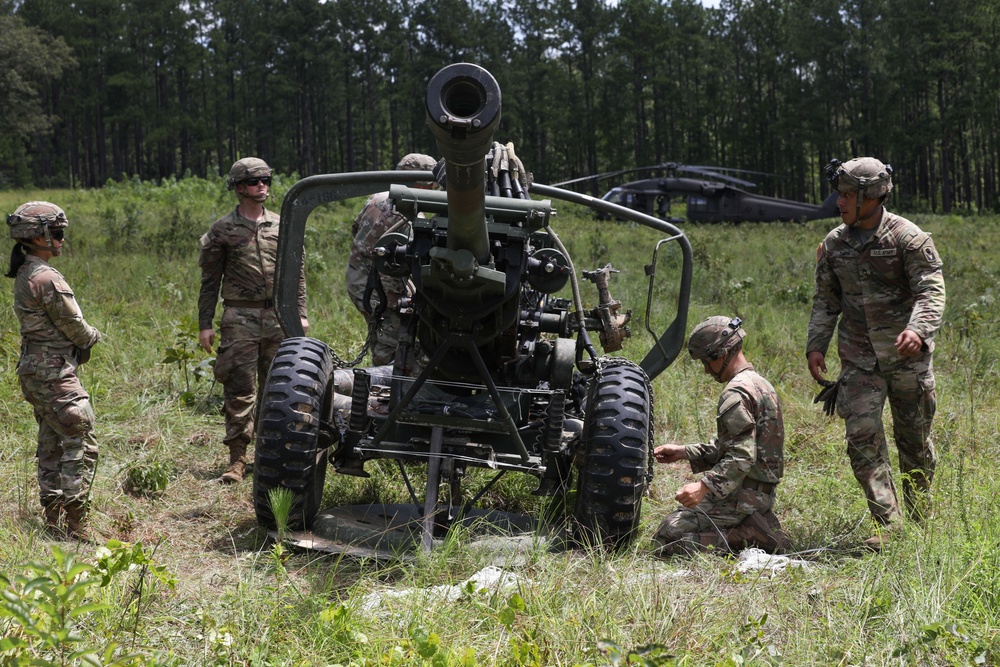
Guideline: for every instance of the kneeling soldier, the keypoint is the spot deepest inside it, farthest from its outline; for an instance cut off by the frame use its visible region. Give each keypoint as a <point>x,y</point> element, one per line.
<point>730,507</point>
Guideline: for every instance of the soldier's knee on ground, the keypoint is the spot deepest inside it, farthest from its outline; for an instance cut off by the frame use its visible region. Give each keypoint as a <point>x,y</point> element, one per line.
<point>688,544</point>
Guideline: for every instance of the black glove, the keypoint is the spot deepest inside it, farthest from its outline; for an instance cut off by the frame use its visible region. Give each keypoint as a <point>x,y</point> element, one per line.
<point>828,396</point>
<point>82,355</point>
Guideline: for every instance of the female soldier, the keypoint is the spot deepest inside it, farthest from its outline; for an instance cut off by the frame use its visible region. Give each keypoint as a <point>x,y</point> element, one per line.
<point>55,339</point>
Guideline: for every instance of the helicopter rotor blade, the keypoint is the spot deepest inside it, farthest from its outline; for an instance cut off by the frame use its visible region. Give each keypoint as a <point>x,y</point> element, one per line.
<point>673,167</point>
<point>712,173</point>
<point>605,175</point>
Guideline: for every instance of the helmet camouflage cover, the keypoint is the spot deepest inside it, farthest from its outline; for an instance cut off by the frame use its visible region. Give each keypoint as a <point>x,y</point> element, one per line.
<point>248,167</point>
<point>416,162</point>
<point>867,174</point>
<point>31,219</point>
<point>716,337</point>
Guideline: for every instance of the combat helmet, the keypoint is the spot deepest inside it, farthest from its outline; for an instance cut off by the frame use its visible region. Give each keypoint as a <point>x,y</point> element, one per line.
<point>418,162</point>
<point>715,338</point>
<point>862,174</point>
<point>34,219</point>
<point>248,167</point>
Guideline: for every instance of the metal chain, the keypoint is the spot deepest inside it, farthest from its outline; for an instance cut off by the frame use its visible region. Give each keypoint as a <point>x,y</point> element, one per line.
<point>341,363</point>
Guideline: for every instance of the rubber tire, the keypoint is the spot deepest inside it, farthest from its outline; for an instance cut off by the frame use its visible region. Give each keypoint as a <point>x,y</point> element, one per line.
<point>614,467</point>
<point>289,454</point>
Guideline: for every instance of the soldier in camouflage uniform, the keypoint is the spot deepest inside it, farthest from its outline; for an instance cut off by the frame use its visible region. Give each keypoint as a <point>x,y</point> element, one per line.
<point>237,255</point>
<point>730,507</point>
<point>375,219</point>
<point>55,339</point>
<point>879,282</point>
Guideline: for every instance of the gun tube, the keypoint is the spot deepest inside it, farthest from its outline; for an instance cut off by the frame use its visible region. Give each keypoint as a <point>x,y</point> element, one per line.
<point>463,112</point>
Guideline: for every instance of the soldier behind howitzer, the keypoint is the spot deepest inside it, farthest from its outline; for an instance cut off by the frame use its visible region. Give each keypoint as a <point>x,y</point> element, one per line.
<point>730,507</point>
<point>237,256</point>
<point>374,220</point>
<point>55,340</point>
<point>879,282</point>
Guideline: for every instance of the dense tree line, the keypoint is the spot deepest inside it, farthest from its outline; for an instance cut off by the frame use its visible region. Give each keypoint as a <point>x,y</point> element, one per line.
<point>111,89</point>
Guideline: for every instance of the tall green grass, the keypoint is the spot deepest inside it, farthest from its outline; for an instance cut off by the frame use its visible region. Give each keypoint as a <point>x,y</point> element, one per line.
<point>930,599</point>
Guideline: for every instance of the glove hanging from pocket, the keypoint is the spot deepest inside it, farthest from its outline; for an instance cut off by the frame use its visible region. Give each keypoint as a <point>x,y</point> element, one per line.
<point>828,396</point>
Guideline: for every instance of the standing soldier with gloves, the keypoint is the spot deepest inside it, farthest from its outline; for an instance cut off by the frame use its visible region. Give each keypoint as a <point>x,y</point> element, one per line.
<point>730,508</point>
<point>55,340</point>
<point>237,255</point>
<point>879,282</point>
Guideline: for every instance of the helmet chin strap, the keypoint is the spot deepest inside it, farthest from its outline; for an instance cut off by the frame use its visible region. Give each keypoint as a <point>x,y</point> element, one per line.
<point>49,246</point>
<point>48,242</point>
<point>862,184</point>
<point>728,359</point>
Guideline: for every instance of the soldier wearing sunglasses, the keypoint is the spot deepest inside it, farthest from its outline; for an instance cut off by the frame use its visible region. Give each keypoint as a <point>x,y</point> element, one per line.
<point>237,258</point>
<point>55,340</point>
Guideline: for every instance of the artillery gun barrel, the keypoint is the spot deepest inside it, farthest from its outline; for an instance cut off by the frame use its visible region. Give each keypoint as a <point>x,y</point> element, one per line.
<point>463,112</point>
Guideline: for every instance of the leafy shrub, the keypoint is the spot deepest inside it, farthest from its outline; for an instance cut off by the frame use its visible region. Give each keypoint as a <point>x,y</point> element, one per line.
<point>45,608</point>
<point>148,478</point>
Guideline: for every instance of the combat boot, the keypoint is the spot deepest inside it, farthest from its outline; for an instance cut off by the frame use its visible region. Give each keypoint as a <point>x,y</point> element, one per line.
<point>237,469</point>
<point>76,521</point>
<point>52,511</point>
<point>876,542</point>
<point>883,535</point>
<point>761,530</point>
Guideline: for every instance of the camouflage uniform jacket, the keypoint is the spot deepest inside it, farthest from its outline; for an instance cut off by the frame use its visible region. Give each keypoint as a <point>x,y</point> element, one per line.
<point>372,222</point>
<point>751,437</point>
<point>239,255</point>
<point>47,309</point>
<point>876,289</point>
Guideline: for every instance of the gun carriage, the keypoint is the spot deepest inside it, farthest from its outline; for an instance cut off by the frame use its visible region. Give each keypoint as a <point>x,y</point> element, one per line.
<point>512,381</point>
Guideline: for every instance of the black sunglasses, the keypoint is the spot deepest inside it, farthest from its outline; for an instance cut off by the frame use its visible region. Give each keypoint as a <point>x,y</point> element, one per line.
<point>57,234</point>
<point>266,180</point>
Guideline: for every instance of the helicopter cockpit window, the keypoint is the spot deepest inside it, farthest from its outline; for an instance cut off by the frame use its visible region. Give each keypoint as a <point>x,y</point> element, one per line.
<point>614,195</point>
<point>697,203</point>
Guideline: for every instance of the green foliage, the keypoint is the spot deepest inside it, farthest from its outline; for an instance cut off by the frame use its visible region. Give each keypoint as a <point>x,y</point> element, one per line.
<point>46,607</point>
<point>932,598</point>
<point>31,59</point>
<point>281,499</point>
<point>116,557</point>
<point>149,477</point>
<point>340,625</point>
<point>950,640</point>
<point>754,646</point>
<point>187,355</point>
<point>590,87</point>
<point>645,656</point>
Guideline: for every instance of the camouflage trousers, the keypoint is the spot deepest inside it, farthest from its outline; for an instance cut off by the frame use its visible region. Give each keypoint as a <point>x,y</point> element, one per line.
<point>249,340</point>
<point>912,401</point>
<point>706,524</point>
<point>67,449</point>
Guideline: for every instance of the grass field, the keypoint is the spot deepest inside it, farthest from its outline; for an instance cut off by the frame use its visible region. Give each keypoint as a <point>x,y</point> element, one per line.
<point>208,588</point>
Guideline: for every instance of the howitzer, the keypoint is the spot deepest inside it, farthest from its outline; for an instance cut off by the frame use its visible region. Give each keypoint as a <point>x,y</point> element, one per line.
<point>510,380</point>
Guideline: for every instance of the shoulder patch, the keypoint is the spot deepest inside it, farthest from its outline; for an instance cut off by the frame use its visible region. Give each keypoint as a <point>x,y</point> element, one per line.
<point>61,286</point>
<point>731,399</point>
<point>819,253</point>
<point>930,255</point>
<point>733,415</point>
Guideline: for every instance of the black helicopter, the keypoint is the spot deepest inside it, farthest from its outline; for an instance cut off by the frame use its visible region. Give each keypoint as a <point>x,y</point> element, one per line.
<point>715,198</point>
